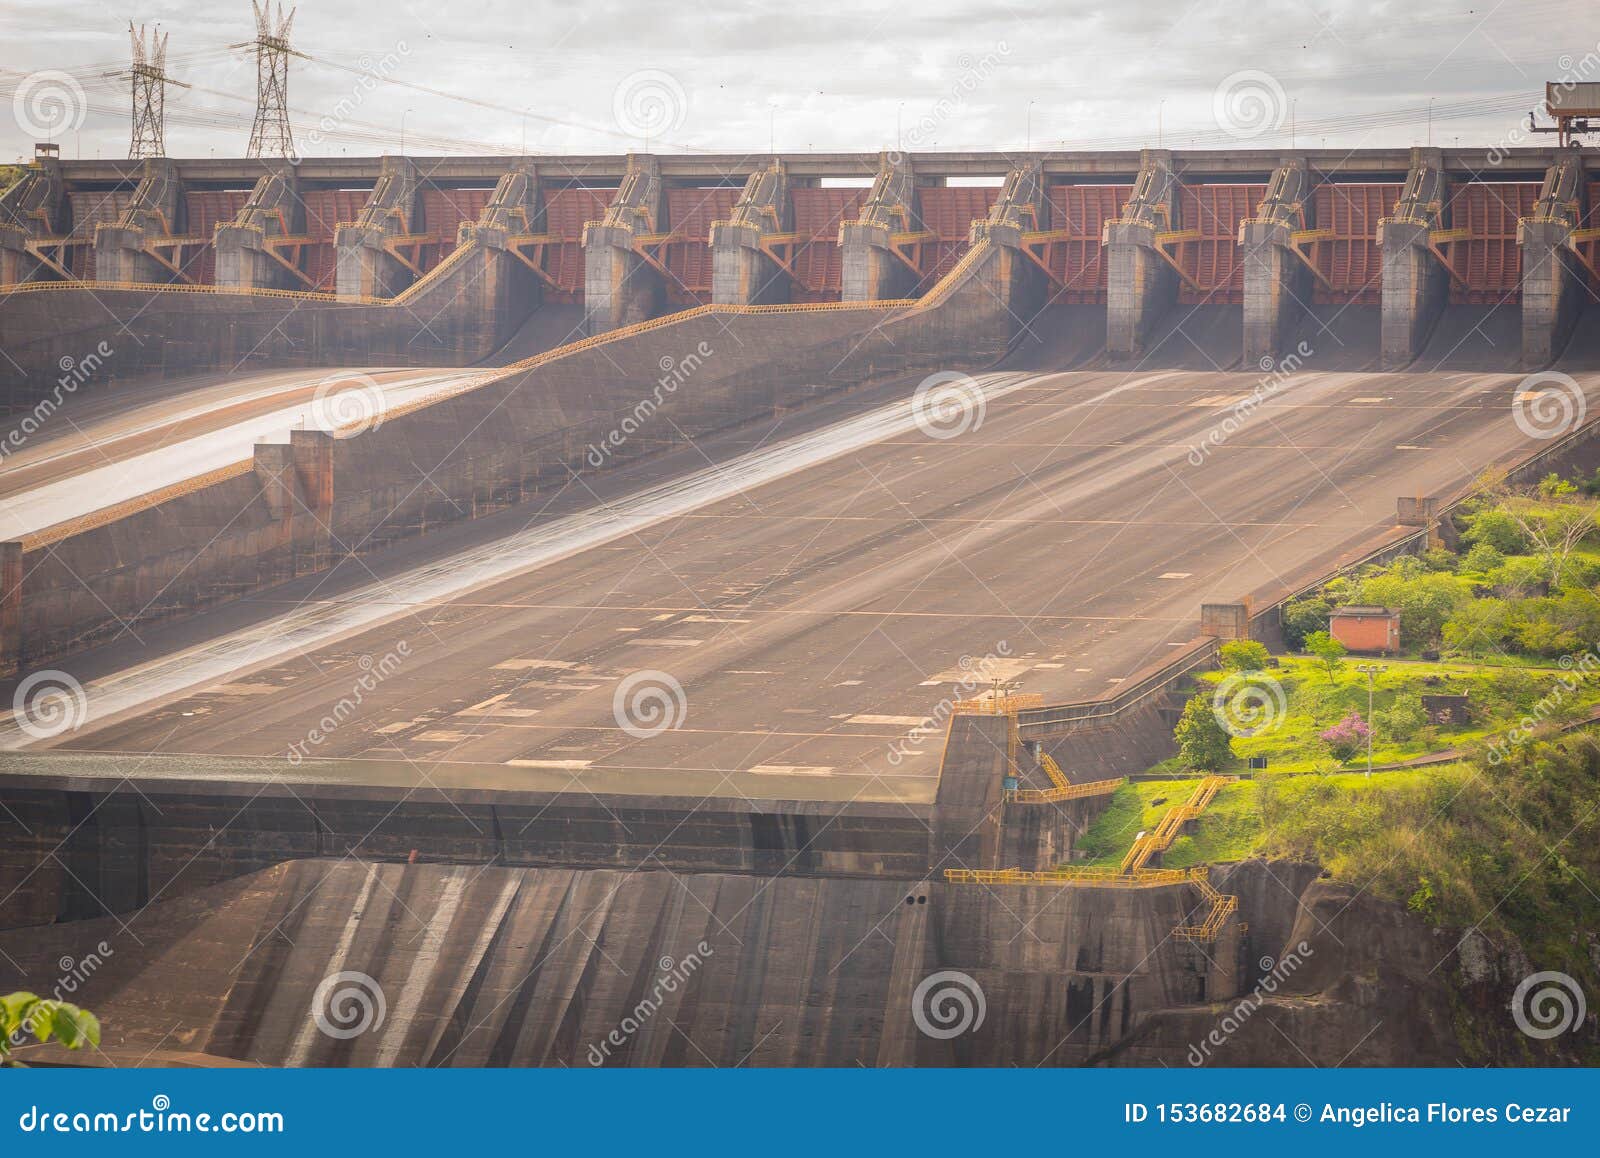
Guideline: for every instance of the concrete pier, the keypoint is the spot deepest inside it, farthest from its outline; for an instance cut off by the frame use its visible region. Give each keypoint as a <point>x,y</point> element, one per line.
<point>872,269</point>
<point>1277,280</point>
<point>1552,276</point>
<point>620,285</point>
<point>1416,285</point>
<point>244,260</point>
<point>123,252</point>
<point>30,209</point>
<point>1023,207</point>
<point>1141,285</point>
<point>742,271</point>
<point>368,265</point>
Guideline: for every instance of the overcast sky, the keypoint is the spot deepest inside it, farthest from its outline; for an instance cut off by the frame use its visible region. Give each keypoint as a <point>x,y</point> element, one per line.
<point>733,75</point>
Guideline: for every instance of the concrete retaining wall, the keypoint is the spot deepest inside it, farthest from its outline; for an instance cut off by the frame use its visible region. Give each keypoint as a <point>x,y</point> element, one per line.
<point>295,509</point>
<point>459,314</point>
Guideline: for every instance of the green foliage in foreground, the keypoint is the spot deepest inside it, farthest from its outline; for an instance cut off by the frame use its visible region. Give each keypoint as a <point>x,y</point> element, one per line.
<point>28,1015</point>
<point>1507,847</point>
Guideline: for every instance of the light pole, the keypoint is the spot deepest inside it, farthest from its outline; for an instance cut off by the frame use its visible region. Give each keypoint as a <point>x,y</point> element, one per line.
<point>1029,144</point>
<point>1371,671</point>
<point>403,132</point>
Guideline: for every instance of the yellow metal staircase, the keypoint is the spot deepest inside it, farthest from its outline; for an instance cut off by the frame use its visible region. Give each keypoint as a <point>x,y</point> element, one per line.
<point>1151,843</point>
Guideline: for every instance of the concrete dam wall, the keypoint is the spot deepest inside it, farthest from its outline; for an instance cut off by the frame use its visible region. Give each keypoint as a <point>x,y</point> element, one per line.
<point>510,966</point>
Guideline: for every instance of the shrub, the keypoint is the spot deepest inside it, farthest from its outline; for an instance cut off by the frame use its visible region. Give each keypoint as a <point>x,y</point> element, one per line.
<point>1404,718</point>
<point>1243,655</point>
<point>1497,528</point>
<point>24,1015</point>
<point>1347,737</point>
<point>1440,559</point>
<point>1482,558</point>
<point>1480,627</point>
<point>1519,576</point>
<point>1424,602</point>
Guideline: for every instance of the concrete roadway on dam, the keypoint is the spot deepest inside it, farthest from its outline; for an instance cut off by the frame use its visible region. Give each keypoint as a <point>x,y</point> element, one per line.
<point>122,444</point>
<point>816,590</point>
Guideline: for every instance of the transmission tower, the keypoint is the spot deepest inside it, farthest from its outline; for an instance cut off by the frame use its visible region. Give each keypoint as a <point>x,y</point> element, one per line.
<point>270,135</point>
<point>150,80</point>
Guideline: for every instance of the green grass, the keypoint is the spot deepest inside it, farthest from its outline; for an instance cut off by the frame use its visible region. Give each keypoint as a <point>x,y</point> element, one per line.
<point>1499,696</point>
<point>1229,829</point>
<point>1233,827</point>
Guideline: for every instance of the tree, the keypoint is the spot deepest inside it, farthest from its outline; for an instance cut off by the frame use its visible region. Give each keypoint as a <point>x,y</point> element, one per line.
<point>40,1018</point>
<point>1423,600</point>
<point>1303,616</point>
<point>1483,625</point>
<point>1203,742</point>
<point>1328,651</point>
<point>1243,655</point>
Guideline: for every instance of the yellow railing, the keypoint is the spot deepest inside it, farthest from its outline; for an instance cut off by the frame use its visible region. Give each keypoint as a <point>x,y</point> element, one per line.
<point>1063,792</point>
<point>1222,908</point>
<point>1101,878</point>
<point>1006,705</point>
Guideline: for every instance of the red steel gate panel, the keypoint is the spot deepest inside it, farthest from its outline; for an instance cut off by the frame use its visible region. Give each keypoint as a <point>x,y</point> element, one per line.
<point>1077,265</point>
<point>204,211</point>
<point>690,213</point>
<point>566,211</point>
<point>325,210</point>
<point>88,209</point>
<point>1491,259</point>
<point>443,211</point>
<point>1352,260</point>
<point>818,263</point>
<point>1214,261</point>
<point>949,212</point>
